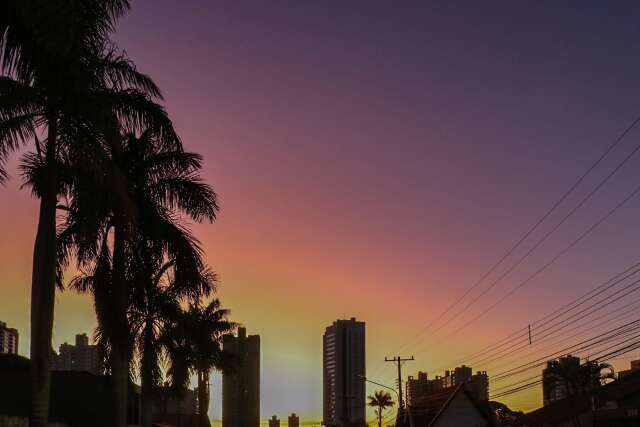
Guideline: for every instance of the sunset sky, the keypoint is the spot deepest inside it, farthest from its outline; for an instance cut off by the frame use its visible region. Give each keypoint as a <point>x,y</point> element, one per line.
<point>373,160</point>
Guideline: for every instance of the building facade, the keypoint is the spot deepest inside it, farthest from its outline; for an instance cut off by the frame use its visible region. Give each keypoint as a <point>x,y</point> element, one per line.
<point>344,370</point>
<point>241,388</point>
<point>293,421</point>
<point>8,339</point>
<point>79,357</point>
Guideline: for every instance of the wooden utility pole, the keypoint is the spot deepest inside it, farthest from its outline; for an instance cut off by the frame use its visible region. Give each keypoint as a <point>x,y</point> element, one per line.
<point>399,361</point>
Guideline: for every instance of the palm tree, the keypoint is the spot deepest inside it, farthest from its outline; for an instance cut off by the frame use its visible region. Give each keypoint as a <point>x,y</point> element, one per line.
<point>54,78</point>
<point>131,206</point>
<point>195,345</point>
<point>155,303</point>
<point>380,400</point>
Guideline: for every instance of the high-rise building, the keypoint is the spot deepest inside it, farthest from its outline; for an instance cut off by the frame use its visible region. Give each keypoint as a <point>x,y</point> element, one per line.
<point>241,388</point>
<point>293,421</point>
<point>553,386</point>
<point>8,339</point>
<point>79,357</point>
<point>343,374</point>
<point>274,422</point>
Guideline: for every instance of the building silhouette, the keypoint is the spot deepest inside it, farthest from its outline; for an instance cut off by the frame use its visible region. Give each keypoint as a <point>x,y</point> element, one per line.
<point>8,339</point>
<point>293,421</point>
<point>421,389</point>
<point>241,385</point>
<point>343,374</point>
<point>274,422</point>
<point>81,357</point>
<point>553,387</point>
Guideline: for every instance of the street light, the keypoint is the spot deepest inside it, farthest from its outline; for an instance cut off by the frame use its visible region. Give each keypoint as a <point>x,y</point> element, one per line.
<point>393,390</point>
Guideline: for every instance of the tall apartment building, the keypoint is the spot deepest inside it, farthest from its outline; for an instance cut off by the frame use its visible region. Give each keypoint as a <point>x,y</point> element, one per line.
<point>343,374</point>
<point>293,421</point>
<point>553,387</point>
<point>8,339</point>
<point>241,388</point>
<point>79,357</point>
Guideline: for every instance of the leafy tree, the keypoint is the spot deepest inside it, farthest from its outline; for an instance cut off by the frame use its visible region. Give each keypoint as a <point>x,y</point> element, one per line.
<point>380,400</point>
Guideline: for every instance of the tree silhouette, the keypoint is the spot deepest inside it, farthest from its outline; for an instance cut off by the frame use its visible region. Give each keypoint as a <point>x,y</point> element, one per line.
<point>56,75</point>
<point>380,400</point>
<point>195,345</point>
<point>123,208</point>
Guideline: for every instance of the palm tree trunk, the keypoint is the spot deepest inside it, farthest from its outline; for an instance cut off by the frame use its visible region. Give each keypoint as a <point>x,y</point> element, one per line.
<point>43,287</point>
<point>203,392</point>
<point>380,416</point>
<point>119,331</point>
<point>148,360</point>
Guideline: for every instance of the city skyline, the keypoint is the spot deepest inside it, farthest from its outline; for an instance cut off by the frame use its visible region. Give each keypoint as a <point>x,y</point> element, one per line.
<point>374,162</point>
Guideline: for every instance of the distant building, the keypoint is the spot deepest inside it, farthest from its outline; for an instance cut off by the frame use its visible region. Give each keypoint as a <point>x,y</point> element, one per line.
<point>241,388</point>
<point>421,389</point>
<point>554,387</point>
<point>274,422</point>
<point>418,388</point>
<point>343,374</point>
<point>8,339</point>
<point>79,357</point>
<point>293,421</point>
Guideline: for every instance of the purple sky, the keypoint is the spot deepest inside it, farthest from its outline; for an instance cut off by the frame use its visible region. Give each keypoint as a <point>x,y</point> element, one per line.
<point>375,159</point>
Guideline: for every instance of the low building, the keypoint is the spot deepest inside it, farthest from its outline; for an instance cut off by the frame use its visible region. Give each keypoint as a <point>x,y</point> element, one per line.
<point>76,398</point>
<point>635,366</point>
<point>8,339</point>
<point>293,421</point>
<point>274,422</point>
<point>81,357</point>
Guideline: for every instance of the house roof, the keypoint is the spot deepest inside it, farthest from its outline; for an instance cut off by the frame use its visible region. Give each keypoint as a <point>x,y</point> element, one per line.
<point>461,389</point>
<point>431,407</point>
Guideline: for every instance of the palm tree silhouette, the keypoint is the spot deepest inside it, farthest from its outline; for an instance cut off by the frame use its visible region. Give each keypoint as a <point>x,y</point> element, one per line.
<point>195,343</point>
<point>61,78</point>
<point>155,304</point>
<point>380,400</point>
<point>124,203</point>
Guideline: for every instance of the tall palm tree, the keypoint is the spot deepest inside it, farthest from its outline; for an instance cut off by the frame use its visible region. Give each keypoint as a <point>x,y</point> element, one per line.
<point>54,76</point>
<point>195,346</point>
<point>380,400</point>
<point>132,205</point>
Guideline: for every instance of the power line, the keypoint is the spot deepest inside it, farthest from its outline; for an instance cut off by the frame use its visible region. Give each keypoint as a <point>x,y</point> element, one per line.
<point>522,333</point>
<point>610,148</point>
<point>554,259</point>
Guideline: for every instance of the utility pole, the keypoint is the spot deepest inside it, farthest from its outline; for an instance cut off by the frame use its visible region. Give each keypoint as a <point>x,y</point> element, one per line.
<point>399,361</point>
<point>529,334</point>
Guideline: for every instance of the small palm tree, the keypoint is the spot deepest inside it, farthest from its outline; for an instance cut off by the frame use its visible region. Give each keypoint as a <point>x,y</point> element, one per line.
<point>380,400</point>
<point>195,343</point>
